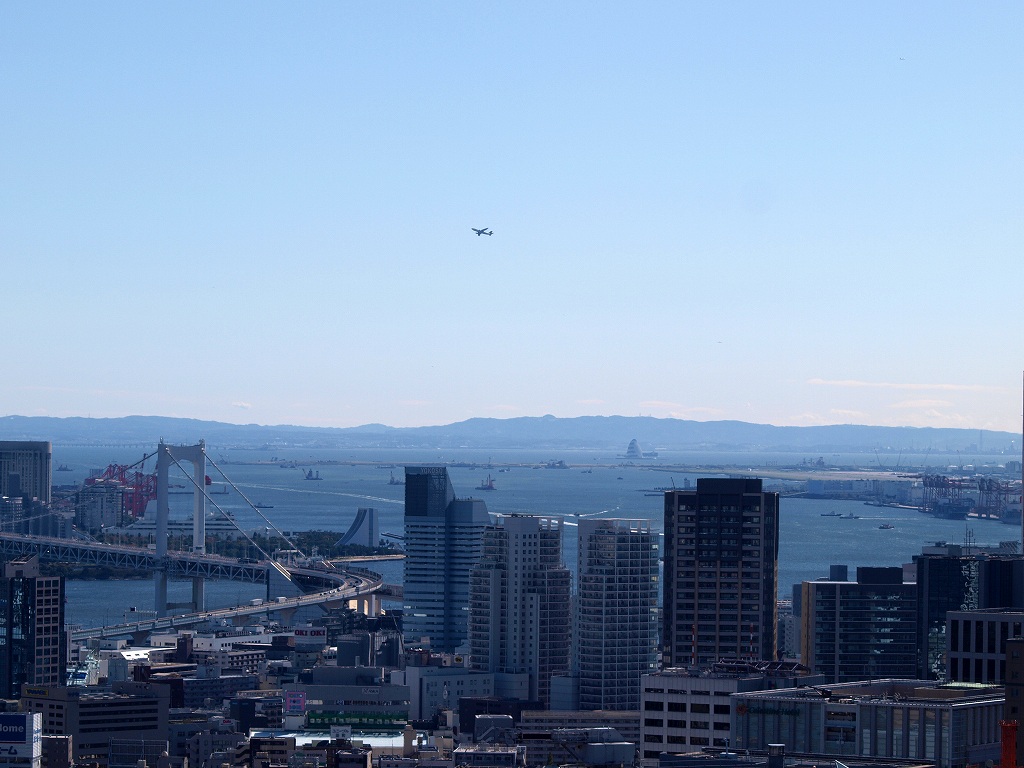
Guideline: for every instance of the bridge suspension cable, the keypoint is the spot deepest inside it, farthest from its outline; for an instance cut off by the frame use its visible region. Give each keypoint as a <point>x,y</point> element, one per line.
<point>231,519</point>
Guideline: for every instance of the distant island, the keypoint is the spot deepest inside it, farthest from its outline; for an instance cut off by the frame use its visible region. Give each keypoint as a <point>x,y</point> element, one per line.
<point>612,433</point>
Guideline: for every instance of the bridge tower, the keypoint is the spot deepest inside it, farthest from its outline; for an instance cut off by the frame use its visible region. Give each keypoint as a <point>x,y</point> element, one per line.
<point>166,456</point>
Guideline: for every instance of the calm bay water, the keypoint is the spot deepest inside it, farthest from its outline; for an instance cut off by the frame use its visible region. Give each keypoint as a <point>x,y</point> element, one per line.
<point>810,542</point>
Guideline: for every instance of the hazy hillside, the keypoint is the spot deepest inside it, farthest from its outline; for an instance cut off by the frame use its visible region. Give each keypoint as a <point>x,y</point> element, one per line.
<point>596,432</point>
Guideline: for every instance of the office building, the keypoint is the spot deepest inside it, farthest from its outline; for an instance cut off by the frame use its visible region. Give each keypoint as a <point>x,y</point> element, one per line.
<point>960,578</point>
<point>96,717</point>
<point>519,599</point>
<point>977,644</point>
<point>434,688</point>
<point>687,710</point>
<point>945,725</point>
<point>860,630</point>
<point>615,634</point>
<point>26,469</point>
<point>721,572</point>
<point>443,543</point>
<point>33,646</point>
<point>359,697</point>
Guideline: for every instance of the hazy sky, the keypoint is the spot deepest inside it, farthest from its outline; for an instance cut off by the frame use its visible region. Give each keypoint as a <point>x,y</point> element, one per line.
<point>789,213</point>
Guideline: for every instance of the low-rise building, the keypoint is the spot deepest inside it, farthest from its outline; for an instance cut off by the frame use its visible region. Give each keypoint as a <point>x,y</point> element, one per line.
<point>433,688</point>
<point>686,710</point>
<point>948,725</point>
<point>356,696</point>
<point>94,716</point>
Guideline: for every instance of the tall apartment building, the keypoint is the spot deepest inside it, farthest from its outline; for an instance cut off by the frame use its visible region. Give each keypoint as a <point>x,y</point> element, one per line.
<point>721,572</point>
<point>519,600</point>
<point>443,543</point>
<point>33,646</point>
<point>100,506</point>
<point>615,635</point>
<point>26,469</point>
<point>860,630</point>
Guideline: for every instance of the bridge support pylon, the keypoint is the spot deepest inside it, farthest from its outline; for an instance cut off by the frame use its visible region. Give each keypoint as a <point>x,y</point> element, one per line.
<point>166,456</point>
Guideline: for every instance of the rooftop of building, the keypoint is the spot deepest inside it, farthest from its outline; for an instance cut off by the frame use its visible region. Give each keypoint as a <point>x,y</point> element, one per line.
<point>757,759</point>
<point>888,690</point>
<point>992,611</point>
<point>737,668</point>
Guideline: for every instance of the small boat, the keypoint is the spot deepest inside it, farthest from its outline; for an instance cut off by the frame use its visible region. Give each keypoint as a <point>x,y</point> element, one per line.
<point>886,527</point>
<point>487,485</point>
<point>831,514</point>
<point>261,505</point>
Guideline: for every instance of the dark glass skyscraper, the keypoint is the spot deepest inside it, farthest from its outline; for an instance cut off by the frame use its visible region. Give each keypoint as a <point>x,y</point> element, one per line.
<point>721,572</point>
<point>33,646</point>
<point>443,542</point>
<point>955,578</point>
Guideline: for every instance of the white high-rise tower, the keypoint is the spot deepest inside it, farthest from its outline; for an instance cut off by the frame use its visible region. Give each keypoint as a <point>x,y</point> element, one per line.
<point>519,607</point>
<point>616,619</point>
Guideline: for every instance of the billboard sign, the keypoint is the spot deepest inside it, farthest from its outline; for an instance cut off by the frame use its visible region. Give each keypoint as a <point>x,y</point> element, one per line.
<point>21,735</point>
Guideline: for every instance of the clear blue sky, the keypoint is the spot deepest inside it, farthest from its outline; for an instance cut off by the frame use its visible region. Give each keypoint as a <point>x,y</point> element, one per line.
<point>789,213</point>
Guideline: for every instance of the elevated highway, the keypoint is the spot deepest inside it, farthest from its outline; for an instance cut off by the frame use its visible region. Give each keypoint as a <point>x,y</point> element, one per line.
<point>323,584</point>
<point>360,587</point>
<point>175,564</point>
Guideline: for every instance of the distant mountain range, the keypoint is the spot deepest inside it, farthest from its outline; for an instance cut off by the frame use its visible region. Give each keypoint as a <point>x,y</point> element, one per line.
<point>583,432</point>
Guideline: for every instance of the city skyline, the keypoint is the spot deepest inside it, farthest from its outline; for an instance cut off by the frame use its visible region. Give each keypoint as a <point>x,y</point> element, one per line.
<point>796,214</point>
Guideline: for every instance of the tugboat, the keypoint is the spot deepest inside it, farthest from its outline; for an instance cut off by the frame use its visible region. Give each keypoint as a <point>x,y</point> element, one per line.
<point>487,485</point>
